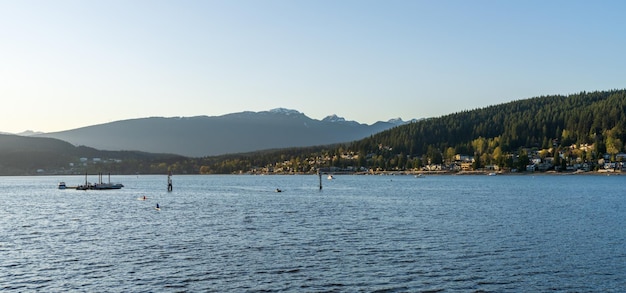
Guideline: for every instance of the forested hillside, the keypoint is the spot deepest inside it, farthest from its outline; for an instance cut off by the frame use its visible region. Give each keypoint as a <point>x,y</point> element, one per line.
<point>21,155</point>
<point>556,125</point>
<point>585,118</point>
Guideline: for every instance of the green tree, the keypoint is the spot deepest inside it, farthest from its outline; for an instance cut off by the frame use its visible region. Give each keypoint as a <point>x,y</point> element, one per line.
<point>613,146</point>
<point>434,155</point>
<point>498,156</point>
<point>450,154</point>
<point>522,161</point>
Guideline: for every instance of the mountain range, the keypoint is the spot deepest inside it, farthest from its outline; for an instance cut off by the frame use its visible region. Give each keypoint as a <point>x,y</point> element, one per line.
<point>216,135</point>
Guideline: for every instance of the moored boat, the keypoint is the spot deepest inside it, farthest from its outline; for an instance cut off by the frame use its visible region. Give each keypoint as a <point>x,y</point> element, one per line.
<point>100,185</point>
<point>107,186</point>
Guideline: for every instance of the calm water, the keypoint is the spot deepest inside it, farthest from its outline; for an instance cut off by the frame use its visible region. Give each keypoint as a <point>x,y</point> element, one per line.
<point>359,234</point>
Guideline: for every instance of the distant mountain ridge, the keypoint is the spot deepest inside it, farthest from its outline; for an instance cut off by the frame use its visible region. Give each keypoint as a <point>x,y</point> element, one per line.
<point>215,135</point>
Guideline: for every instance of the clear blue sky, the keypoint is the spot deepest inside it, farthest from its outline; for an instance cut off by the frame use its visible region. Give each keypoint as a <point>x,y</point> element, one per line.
<point>67,64</point>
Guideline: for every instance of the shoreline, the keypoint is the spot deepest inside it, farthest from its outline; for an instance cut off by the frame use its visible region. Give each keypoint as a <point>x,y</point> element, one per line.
<point>444,173</point>
<point>391,173</point>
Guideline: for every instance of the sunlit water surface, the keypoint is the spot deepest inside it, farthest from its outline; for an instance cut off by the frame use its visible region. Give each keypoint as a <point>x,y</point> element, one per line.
<point>359,233</point>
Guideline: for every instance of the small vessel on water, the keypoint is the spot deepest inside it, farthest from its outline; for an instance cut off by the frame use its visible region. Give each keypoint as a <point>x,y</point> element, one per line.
<point>62,185</point>
<point>108,186</point>
<point>330,177</point>
<point>100,185</point>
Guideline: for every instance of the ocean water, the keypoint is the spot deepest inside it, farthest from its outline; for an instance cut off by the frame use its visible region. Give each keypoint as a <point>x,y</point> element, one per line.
<point>358,234</point>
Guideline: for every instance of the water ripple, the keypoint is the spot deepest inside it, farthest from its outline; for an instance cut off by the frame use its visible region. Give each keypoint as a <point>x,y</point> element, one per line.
<point>360,234</point>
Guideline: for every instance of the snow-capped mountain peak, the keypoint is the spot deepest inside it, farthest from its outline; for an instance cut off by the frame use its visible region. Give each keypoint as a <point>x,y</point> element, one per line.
<point>396,121</point>
<point>334,118</point>
<point>29,133</point>
<point>399,121</point>
<point>285,111</point>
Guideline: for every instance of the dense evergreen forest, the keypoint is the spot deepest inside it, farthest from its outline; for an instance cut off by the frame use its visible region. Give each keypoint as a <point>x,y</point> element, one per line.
<point>500,134</point>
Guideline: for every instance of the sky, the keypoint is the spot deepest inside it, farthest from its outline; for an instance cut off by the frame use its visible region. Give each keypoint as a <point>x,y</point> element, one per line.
<point>68,64</point>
